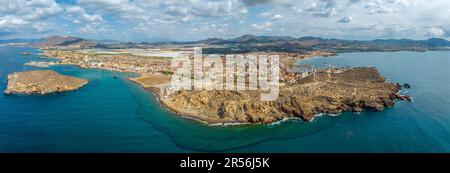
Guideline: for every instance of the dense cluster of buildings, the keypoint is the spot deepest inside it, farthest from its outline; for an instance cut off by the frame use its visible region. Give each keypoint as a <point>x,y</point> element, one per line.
<point>121,62</point>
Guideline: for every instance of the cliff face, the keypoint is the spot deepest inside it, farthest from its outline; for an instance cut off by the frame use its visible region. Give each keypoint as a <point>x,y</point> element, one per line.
<point>42,82</point>
<point>352,90</point>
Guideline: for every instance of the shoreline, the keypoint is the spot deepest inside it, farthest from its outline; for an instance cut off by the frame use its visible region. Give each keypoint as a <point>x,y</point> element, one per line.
<point>188,116</point>
<point>176,112</point>
<point>155,82</point>
<point>212,122</point>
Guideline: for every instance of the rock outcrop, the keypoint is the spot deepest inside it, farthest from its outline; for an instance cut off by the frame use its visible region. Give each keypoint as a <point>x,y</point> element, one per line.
<point>42,82</point>
<point>352,90</point>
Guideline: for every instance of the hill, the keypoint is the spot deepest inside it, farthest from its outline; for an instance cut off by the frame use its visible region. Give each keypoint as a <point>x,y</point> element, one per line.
<point>249,43</point>
<point>67,41</point>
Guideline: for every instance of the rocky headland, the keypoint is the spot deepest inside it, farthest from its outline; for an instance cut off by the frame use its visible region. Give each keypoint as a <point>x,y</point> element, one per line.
<point>330,91</point>
<point>42,82</point>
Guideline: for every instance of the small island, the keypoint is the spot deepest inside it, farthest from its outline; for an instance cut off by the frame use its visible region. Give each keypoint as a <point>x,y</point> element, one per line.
<point>42,82</point>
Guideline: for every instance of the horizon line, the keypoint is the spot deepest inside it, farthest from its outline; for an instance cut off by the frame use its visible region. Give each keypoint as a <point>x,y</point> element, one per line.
<point>179,41</point>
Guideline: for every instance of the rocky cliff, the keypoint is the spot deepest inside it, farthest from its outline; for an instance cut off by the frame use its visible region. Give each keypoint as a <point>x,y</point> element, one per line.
<point>327,92</point>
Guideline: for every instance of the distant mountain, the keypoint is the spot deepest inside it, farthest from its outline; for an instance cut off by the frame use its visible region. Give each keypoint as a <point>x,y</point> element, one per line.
<point>212,41</point>
<point>314,41</point>
<point>67,41</point>
<point>244,38</point>
<point>248,43</point>
<point>106,42</point>
<point>437,42</point>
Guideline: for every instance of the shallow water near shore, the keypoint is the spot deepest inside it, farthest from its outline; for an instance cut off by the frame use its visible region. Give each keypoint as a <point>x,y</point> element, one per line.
<point>117,115</point>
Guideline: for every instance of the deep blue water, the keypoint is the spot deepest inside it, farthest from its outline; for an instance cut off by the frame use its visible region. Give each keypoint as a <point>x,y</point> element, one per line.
<point>116,115</point>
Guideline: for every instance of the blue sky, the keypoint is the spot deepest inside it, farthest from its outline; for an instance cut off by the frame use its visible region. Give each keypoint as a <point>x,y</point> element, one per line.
<point>184,20</point>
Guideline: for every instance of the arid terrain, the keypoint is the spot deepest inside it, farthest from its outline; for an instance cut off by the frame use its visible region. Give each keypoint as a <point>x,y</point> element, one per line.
<point>330,91</point>
<point>42,82</point>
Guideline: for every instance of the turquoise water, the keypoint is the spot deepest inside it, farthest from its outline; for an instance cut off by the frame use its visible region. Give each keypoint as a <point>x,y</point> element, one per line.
<point>116,115</point>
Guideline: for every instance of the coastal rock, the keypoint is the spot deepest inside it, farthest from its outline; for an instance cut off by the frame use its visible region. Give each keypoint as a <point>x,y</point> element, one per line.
<point>407,86</point>
<point>352,90</point>
<point>328,91</point>
<point>42,82</point>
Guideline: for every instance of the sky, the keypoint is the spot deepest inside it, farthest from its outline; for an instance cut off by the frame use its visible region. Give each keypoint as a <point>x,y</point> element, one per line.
<point>188,20</point>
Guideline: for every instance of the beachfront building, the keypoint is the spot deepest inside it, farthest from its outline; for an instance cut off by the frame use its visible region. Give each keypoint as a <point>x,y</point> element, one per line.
<point>305,70</point>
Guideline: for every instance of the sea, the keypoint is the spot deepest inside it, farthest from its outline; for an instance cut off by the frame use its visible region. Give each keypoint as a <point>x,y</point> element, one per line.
<point>113,114</point>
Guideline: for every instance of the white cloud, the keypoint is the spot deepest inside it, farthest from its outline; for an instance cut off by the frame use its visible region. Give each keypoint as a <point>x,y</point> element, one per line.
<point>435,32</point>
<point>266,14</point>
<point>271,15</point>
<point>267,26</point>
<point>26,15</point>
<point>352,19</point>
<point>244,11</point>
<point>11,22</point>
<point>346,19</point>
<point>269,2</point>
<point>276,16</point>
<point>322,8</point>
<point>170,11</point>
<point>78,13</point>
<point>43,26</point>
<point>93,29</point>
<point>40,9</point>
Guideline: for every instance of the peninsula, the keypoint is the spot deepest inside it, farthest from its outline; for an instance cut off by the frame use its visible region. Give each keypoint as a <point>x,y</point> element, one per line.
<point>42,82</point>
<point>330,91</point>
<point>302,94</point>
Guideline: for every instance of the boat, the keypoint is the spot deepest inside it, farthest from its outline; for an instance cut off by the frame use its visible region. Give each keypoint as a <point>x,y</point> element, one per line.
<point>27,53</point>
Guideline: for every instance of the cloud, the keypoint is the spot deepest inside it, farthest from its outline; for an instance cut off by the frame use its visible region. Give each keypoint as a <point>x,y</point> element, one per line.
<point>271,15</point>
<point>43,27</point>
<point>267,26</point>
<point>256,2</point>
<point>436,32</point>
<point>276,17</point>
<point>346,19</point>
<point>78,13</point>
<point>271,2</point>
<point>40,9</point>
<point>116,5</point>
<point>211,28</point>
<point>379,7</point>
<point>26,15</point>
<point>166,11</point>
<point>322,8</point>
<point>11,22</point>
<point>93,29</point>
<point>174,18</point>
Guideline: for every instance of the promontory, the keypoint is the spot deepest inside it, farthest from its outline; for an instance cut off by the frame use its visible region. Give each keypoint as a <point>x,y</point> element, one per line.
<point>42,82</point>
<point>302,94</point>
<point>330,91</point>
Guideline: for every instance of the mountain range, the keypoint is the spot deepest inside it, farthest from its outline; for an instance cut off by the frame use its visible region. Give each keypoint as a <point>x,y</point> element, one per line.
<point>65,41</point>
<point>249,43</point>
